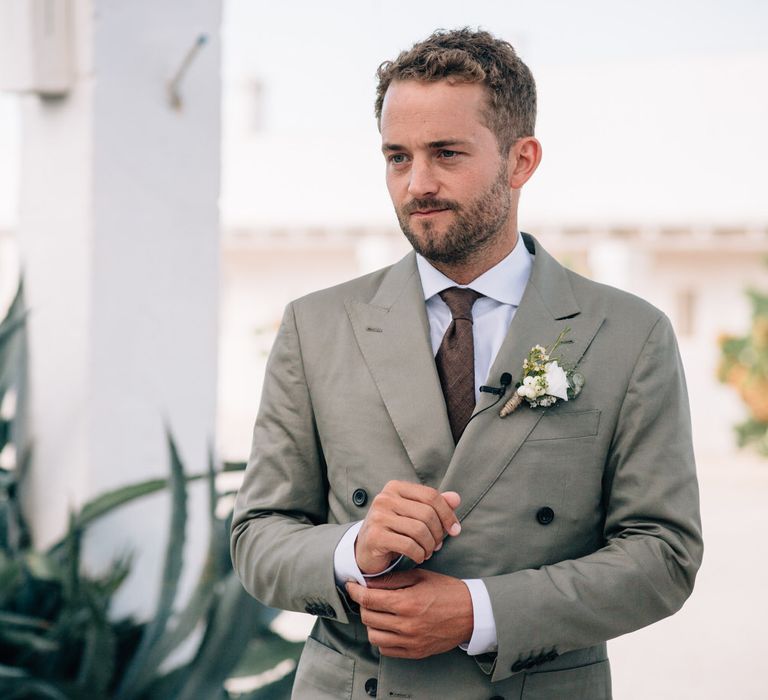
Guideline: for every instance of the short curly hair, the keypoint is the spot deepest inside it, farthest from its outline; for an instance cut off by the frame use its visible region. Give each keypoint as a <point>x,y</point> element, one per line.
<point>471,56</point>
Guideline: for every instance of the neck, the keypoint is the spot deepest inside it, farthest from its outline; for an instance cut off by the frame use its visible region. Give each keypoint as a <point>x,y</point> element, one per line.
<point>467,270</point>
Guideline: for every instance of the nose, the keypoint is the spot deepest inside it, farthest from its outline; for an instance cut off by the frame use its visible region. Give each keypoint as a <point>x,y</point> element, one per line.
<point>422,181</point>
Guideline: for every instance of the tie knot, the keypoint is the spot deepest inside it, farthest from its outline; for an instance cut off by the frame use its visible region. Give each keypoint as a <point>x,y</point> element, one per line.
<point>459,301</point>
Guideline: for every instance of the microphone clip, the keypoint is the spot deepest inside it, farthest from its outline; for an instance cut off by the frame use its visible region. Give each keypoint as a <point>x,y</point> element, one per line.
<point>505,380</point>
<point>496,390</point>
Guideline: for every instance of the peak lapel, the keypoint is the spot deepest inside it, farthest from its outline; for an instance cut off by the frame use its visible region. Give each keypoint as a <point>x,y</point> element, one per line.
<point>490,443</point>
<point>393,334</point>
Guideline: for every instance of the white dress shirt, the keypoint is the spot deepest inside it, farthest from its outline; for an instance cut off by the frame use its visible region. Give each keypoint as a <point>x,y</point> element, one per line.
<point>502,288</point>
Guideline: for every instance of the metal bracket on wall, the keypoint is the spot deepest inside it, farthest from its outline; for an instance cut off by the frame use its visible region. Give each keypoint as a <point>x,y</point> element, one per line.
<point>174,84</point>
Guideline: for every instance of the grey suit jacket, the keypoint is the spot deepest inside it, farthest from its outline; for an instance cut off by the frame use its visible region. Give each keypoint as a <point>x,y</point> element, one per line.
<point>352,400</point>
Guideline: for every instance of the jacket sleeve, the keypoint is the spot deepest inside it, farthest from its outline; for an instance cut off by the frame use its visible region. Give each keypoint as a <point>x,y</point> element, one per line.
<point>281,542</point>
<point>652,531</point>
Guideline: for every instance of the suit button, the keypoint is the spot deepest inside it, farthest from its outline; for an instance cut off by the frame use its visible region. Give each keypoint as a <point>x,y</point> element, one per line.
<point>371,686</point>
<point>359,497</point>
<point>545,515</point>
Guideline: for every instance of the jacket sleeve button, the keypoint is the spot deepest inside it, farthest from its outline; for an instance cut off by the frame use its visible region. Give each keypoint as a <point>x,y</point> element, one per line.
<point>545,515</point>
<point>359,497</point>
<point>371,686</point>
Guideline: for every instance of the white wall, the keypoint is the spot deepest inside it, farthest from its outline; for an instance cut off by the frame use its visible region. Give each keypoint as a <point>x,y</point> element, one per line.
<point>118,230</point>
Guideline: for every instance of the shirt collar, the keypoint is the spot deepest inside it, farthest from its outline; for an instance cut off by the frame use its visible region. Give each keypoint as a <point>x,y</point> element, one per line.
<point>505,281</point>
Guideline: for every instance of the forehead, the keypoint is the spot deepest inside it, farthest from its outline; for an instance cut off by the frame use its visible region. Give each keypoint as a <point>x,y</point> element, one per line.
<point>432,111</point>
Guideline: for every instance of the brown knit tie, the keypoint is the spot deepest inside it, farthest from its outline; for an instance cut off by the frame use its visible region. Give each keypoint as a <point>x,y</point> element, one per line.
<point>455,359</point>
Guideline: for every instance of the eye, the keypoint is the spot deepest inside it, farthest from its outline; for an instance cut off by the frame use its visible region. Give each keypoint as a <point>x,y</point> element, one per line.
<point>397,158</point>
<point>448,154</point>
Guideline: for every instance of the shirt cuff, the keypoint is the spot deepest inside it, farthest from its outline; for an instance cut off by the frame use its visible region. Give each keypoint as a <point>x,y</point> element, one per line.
<point>345,567</point>
<point>484,637</point>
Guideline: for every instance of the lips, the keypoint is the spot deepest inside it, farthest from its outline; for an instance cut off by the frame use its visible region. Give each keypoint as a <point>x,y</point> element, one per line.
<point>427,212</point>
<point>426,208</point>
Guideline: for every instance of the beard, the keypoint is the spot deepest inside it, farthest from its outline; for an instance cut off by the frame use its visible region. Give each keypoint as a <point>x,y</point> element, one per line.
<point>475,226</point>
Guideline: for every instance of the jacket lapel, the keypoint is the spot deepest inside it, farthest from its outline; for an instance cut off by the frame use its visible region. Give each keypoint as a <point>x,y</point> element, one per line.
<point>392,332</point>
<point>489,443</point>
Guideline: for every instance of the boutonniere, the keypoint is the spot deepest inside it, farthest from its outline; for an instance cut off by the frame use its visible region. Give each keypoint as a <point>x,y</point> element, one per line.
<point>547,379</point>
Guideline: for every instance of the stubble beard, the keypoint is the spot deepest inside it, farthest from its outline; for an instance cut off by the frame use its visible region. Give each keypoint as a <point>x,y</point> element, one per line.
<point>475,226</point>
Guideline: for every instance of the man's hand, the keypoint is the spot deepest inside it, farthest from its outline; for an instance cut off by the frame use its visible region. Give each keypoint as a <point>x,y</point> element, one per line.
<point>414,614</point>
<point>405,518</point>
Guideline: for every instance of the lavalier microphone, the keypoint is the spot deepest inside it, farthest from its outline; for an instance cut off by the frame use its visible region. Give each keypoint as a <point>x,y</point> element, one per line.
<point>505,380</point>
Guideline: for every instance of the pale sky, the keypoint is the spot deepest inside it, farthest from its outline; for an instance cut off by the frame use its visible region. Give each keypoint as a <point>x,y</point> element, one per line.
<point>648,112</point>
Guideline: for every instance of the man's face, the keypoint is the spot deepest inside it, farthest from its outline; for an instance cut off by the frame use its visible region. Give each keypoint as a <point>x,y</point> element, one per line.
<point>445,174</point>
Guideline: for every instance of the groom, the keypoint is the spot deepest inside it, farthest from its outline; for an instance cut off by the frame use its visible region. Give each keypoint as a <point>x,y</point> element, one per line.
<point>447,551</point>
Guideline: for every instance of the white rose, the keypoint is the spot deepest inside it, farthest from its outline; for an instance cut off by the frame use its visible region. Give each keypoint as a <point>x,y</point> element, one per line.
<point>557,381</point>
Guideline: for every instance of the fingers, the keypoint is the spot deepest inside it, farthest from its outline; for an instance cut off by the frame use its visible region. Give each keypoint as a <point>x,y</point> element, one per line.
<point>413,519</point>
<point>395,580</point>
<point>431,498</point>
<point>377,613</point>
<point>419,549</point>
<point>387,639</point>
<point>371,600</point>
<point>405,519</point>
<point>452,499</point>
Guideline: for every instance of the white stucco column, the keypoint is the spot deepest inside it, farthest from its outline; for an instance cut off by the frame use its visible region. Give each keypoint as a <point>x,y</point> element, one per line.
<point>119,242</point>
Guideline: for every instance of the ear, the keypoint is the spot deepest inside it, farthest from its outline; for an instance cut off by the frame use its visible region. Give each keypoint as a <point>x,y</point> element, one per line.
<point>524,157</point>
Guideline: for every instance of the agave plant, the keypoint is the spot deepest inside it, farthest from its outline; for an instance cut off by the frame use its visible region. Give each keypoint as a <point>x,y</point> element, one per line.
<point>57,639</point>
<point>13,533</point>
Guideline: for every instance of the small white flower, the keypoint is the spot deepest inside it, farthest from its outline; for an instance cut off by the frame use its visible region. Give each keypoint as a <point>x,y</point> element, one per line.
<point>526,391</point>
<point>557,380</point>
<point>544,381</point>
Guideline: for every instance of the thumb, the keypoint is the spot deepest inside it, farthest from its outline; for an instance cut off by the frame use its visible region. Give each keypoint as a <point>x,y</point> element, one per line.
<point>394,580</point>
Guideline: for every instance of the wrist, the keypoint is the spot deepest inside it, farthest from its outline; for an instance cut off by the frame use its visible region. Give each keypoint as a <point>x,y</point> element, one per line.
<point>373,566</point>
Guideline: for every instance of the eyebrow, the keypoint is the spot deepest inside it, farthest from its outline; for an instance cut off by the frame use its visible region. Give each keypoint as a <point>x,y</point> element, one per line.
<point>442,143</point>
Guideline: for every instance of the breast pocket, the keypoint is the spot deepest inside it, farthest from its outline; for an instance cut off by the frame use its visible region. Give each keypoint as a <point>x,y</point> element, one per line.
<point>566,425</point>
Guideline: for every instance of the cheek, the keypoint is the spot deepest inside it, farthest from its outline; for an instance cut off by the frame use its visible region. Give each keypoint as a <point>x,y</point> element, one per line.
<point>396,188</point>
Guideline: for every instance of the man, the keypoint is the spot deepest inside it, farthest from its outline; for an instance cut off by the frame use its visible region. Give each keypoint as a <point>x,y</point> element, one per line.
<point>449,551</point>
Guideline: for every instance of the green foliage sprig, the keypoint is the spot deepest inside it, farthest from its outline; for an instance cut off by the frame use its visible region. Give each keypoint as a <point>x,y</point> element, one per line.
<point>744,365</point>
